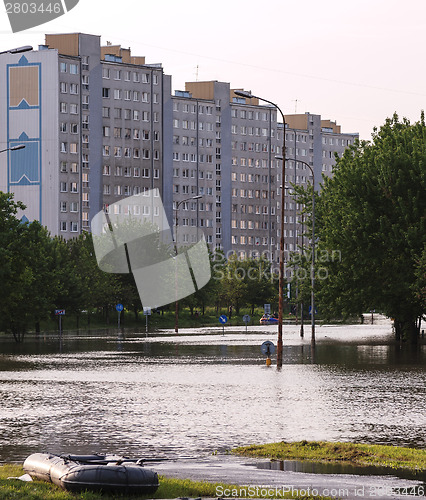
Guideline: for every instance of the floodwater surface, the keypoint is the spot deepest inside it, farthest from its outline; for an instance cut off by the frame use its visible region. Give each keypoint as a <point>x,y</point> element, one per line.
<point>199,392</point>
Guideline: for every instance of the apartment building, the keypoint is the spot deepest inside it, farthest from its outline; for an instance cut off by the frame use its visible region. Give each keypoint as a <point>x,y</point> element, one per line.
<point>100,125</point>
<point>92,120</point>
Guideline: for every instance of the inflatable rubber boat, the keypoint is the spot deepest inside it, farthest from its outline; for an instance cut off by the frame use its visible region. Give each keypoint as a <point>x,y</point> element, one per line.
<point>92,472</point>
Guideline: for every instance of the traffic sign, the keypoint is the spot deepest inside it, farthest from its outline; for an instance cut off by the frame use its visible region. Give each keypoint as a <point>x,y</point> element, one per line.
<point>223,319</point>
<point>310,310</point>
<point>119,307</point>
<point>267,308</point>
<point>147,311</point>
<point>267,348</point>
<point>246,318</point>
<point>60,312</point>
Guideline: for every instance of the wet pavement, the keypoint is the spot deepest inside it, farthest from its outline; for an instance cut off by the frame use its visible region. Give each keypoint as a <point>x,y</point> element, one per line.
<point>252,479</point>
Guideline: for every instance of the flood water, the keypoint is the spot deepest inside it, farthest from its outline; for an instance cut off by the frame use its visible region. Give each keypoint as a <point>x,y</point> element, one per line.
<point>199,392</point>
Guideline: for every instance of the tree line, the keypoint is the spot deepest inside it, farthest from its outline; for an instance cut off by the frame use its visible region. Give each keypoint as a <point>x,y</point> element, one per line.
<point>371,214</point>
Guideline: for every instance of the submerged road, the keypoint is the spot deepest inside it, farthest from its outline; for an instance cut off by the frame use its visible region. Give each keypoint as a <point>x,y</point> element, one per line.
<point>245,472</point>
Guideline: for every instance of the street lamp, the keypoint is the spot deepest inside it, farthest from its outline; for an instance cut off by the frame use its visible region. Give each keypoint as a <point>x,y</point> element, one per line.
<point>313,250</point>
<point>178,203</point>
<point>248,95</point>
<point>18,50</point>
<point>13,148</point>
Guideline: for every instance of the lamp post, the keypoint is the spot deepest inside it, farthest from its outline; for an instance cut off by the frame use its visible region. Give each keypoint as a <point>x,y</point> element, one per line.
<point>248,95</point>
<point>13,148</point>
<point>313,251</point>
<point>178,203</point>
<point>18,50</point>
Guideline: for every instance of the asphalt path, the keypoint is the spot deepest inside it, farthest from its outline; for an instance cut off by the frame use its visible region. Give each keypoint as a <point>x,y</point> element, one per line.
<point>252,480</point>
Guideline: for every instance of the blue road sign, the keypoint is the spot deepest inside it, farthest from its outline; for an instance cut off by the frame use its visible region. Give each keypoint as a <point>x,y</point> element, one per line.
<point>310,310</point>
<point>267,348</point>
<point>223,319</point>
<point>119,307</point>
<point>246,318</point>
<point>60,312</point>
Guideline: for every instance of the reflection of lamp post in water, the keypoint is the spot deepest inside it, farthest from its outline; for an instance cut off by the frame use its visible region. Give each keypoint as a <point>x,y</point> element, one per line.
<point>248,95</point>
<point>178,203</point>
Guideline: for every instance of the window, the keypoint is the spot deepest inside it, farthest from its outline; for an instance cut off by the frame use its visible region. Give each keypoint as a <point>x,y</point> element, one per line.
<point>63,127</point>
<point>63,226</point>
<point>145,78</point>
<point>105,112</point>
<point>85,62</point>
<point>117,113</point>
<point>117,93</point>
<point>105,92</point>
<point>63,167</point>
<point>106,131</point>
<point>74,110</point>
<point>74,227</point>
<point>63,206</point>
<point>85,82</point>
<point>107,189</point>
<point>106,170</point>
<point>105,73</point>
<point>63,67</point>
<point>64,107</point>
<point>136,114</point>
<point>74,187</point>
<point>63,88</point>
<point>74,88</point>
<point>74,206</point>
<point>117,74</point>
<point>74,128</point>
<point>106,150</point>
<point>64,147</point>
<point>74,168</point>
<point>63,187</point>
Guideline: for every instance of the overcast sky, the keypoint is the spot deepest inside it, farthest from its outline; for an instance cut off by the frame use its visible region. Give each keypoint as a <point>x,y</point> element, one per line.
<point>353,62</point>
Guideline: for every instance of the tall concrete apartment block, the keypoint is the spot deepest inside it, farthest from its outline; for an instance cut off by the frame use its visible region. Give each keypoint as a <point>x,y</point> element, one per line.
<point>100,125</point>
<point>93,121</point>
<point>225,151</point>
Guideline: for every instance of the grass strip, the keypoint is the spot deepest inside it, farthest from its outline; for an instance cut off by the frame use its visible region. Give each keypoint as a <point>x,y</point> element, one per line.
<point>351,453</point>
<point>169,488</point>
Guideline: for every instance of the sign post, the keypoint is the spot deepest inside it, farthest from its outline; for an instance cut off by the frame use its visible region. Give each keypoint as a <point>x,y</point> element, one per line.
<point>147,312</point>
<point>246,319</point>
<point>268,348</point>
<point>223,319</point>
<point>60,313</point>
<point>119,308</point>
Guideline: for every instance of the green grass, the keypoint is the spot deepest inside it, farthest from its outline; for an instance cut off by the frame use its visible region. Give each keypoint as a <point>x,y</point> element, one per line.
<point>169,488</point>
<point>360,454</point>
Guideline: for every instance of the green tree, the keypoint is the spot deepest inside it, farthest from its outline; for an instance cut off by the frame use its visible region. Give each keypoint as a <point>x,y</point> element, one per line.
<point>26,272</point>
<point>373,213</point>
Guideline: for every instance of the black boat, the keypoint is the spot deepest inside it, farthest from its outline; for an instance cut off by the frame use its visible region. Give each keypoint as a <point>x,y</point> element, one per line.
<point>92,472</point>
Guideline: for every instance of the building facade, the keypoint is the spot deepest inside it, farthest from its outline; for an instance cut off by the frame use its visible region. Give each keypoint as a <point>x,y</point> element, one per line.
<point>100,125</point>
<point>96,124</point>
